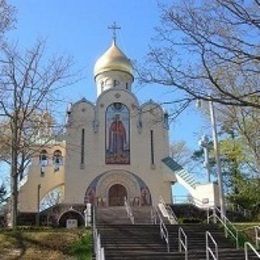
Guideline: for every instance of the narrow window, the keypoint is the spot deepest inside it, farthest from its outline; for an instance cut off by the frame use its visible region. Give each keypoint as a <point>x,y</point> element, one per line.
<point>102,86</point>
<point>57,160</point>
<point>152,148</point>
<point>126,85</point>
<point>43,161</point>
<point>82,153</point>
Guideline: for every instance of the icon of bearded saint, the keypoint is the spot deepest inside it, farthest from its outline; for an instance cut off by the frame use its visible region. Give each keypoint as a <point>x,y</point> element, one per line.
<point>117,136</point>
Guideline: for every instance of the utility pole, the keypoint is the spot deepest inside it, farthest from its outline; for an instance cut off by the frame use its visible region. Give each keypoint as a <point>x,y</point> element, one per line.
<point>216,151</point>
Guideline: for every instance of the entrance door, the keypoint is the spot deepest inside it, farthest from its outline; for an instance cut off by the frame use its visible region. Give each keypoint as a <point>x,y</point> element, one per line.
<point>116,195</point>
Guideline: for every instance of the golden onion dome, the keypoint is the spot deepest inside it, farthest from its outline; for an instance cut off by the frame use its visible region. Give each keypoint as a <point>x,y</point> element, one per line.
<point>113,60</point>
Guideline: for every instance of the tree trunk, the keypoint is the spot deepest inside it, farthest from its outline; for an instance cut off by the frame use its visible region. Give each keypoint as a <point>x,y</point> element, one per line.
<point>14,196</point>
<point>14,162</point>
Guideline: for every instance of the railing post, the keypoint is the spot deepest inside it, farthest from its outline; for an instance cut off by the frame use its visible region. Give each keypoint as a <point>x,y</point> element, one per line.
<point>257,237</point>
<point>214,215</point>
<point>246,252</point>
<point>179,239</point>
<point>207,251</point>
<point>237,242</point>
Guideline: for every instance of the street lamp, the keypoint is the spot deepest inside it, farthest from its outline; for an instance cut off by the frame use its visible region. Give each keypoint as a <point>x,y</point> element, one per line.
<point>204,143</point>
<point>216,153</point>
<point>38,205</point>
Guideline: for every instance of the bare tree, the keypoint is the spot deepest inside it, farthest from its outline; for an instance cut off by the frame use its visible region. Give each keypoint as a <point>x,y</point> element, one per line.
<point>208,50</point>
<point>6,17</point>
<point>180,153</point>
<point>244,123</point>
<point>28,83</point>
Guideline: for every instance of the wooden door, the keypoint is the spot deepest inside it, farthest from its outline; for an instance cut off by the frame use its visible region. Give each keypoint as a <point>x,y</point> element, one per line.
<point>116,195</point>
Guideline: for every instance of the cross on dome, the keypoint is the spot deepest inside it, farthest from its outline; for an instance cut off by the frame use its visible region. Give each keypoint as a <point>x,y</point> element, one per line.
<point>114,27</point>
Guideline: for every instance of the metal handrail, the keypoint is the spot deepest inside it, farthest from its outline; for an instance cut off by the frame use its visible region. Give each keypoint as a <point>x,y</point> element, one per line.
<point>183,244</point>
<point>246,245</point>
<point>194,201</point>
<point>208,248</point>
<point>163,230</point>
<point>224,223</point>
<point>257,236</point>
<point>153,216</point>
<point>226,220</point>
<point>171,215</point>
<point>129,211</point>
<point>100,253</point>
<point>99,250</point>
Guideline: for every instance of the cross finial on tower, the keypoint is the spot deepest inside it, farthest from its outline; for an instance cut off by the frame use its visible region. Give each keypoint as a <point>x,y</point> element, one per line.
<point>114,27</point>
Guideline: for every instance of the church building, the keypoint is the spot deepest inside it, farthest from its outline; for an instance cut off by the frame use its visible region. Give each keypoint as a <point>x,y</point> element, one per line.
<point>113,149</point>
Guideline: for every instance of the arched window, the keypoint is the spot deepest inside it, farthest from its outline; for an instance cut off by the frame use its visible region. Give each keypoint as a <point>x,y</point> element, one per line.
<point>57,160</point>
<point>117,134</point>
<point>43,158</point>
<point>102,84</point>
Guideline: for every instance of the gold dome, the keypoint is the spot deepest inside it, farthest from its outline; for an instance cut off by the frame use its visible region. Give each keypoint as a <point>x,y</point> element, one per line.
<point>113,60</point>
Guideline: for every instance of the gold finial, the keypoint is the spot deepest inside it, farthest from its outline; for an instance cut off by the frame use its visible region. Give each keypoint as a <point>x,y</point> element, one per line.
<point>114,27</point>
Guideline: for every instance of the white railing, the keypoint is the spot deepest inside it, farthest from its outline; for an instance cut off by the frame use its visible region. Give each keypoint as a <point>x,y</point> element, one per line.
<point>170,214</point>
<point>153,216</point>
<point>193,201</point>
<point>248,245</point>
<point>225,222</point>
<point>99,250</point>
<point>183,244</point>
<point>257,236</point>
<point>209,251</point>
<point>129,211</point>
<point>163,229</point>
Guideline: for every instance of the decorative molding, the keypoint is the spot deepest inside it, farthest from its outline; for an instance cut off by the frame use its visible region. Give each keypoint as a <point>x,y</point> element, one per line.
<point>117,95</point>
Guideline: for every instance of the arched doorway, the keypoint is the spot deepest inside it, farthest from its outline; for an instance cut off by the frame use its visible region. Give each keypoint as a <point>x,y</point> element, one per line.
<point>71,215</point>
<point>116,195</point>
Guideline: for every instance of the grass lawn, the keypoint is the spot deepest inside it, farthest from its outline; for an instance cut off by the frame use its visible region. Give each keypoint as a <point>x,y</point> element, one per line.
<point>248,229</point>
<point>45,244</point>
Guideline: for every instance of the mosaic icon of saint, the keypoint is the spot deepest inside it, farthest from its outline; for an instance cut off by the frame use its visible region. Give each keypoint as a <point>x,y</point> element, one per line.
<point>117,136</point>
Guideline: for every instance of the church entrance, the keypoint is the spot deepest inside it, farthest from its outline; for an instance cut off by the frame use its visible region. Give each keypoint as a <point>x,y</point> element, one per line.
<point>116,195</point>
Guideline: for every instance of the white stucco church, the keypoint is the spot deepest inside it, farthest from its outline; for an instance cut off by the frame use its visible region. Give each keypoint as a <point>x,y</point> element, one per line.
<point>112,149</point>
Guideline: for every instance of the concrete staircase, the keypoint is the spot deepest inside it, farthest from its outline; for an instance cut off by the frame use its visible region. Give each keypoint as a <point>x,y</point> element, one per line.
<point>142,215</point>
<point>126,241</point>
<point>130,242</point>
<point>112,215</point>
<point>118,215</point>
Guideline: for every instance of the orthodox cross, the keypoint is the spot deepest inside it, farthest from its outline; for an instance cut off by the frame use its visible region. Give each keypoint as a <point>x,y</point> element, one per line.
<point>114,27</point>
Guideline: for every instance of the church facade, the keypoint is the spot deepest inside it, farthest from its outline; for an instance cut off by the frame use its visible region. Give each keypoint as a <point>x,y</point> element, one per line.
<point>114,149</point>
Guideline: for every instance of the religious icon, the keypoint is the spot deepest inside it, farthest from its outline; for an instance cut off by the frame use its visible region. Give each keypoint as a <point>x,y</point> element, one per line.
<point>145,196</point>
<point>117,134</point>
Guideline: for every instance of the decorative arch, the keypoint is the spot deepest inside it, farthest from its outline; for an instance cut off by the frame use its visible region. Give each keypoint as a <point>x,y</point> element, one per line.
<point>52,197</point>
<point>117,134</point>
<point>71,214</point>
<point>97,192</point>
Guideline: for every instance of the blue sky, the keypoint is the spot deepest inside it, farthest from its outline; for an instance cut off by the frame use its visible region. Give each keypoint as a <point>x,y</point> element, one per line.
<point>79,29</point>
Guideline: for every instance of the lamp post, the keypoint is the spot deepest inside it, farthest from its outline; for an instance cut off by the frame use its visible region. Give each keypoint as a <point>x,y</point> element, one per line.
<point>38,205</point>
<point>204,143</point>
<point>216,152</point>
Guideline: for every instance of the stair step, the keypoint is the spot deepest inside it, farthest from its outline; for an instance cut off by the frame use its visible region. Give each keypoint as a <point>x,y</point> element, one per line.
<point>143,241</point>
